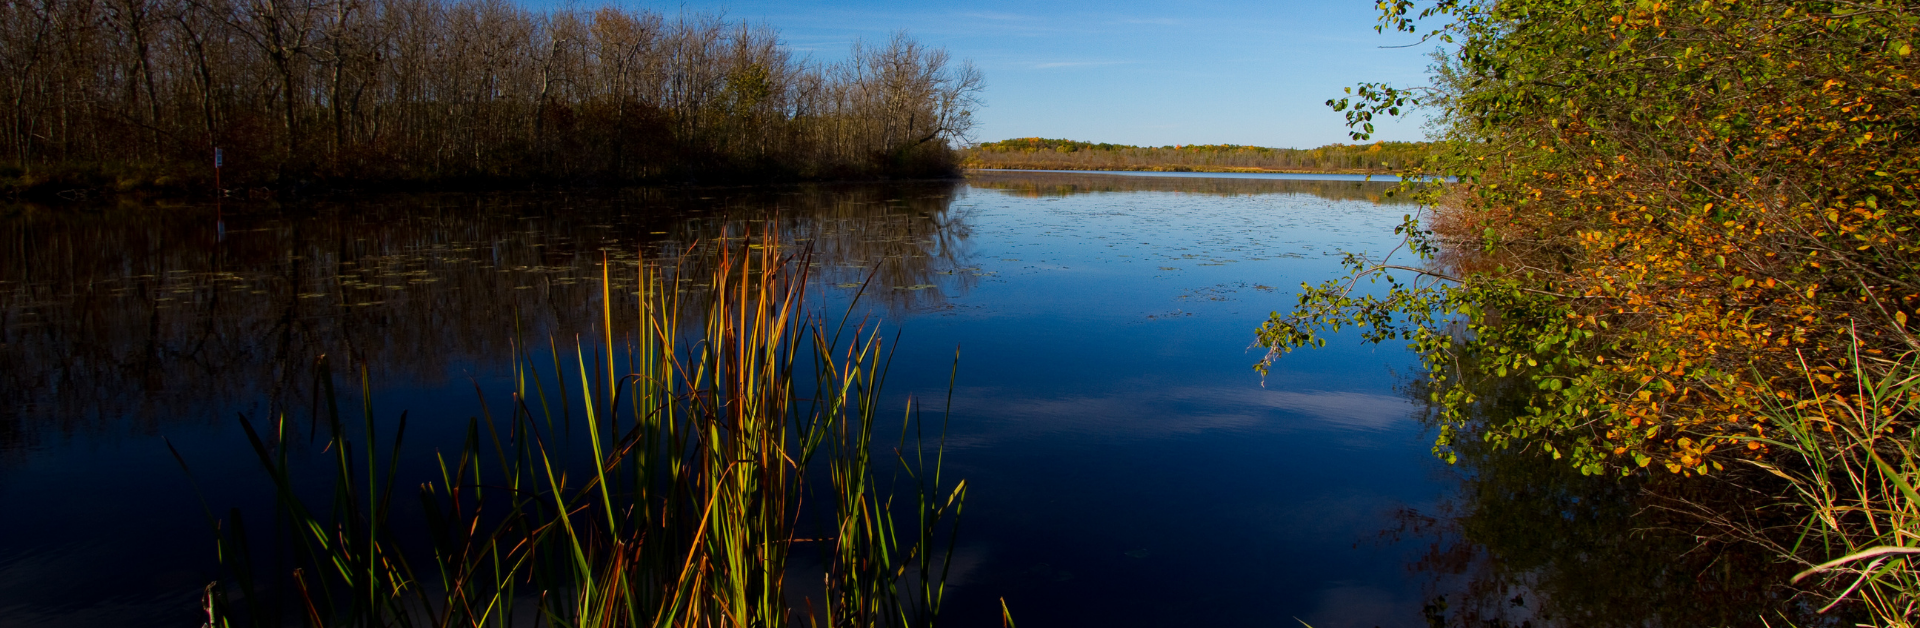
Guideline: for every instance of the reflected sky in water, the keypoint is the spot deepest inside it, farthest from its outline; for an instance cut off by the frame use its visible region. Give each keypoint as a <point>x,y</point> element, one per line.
<point>1126,467</point>
<point>1125,464</point>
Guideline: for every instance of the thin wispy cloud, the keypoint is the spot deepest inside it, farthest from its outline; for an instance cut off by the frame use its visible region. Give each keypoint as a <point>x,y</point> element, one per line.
<point>1074,64</point>
<point>1000,17</point>
<point>1251,73</point>
<point>1151,21</point>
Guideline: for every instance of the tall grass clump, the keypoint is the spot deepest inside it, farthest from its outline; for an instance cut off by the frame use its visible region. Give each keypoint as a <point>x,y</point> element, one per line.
<point>681,473</point>
<point>1850,460</point>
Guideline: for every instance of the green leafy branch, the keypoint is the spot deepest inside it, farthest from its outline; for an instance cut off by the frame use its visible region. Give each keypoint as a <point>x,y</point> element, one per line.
<point>1472,333</point>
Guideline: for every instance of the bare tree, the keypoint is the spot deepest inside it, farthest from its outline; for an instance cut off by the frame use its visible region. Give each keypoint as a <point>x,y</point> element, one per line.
<point>426,90</point>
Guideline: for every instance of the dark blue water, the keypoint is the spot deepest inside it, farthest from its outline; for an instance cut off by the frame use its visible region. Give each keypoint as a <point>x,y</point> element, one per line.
<point>1126,466</point>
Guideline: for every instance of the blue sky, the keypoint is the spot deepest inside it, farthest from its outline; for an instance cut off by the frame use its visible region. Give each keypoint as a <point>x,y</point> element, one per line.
<point>1125,71</point>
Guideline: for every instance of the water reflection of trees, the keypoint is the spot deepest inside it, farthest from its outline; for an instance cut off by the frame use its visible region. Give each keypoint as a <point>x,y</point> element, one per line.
<point>907,239</point>
<point>133,316</point>
<point>1038,184</point>
<point>1526,540</point>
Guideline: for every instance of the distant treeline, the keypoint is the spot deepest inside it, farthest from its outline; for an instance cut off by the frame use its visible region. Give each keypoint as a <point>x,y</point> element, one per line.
<point>134,93</point>
<point>1033,153</point>
<point>1042,184</point>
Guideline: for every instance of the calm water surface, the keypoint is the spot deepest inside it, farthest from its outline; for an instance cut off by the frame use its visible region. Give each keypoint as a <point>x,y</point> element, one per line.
<point>1267,176</point>
<point>1126,466</point>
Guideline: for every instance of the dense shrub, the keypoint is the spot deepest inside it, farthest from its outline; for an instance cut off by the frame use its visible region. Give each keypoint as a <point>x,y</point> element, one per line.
<point>1668,213</point>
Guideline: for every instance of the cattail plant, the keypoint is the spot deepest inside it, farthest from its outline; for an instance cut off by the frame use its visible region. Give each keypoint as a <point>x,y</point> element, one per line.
<point>667,480</point>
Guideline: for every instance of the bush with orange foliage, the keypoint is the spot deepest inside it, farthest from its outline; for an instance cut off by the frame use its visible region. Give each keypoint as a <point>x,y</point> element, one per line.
<point>1669,217</point>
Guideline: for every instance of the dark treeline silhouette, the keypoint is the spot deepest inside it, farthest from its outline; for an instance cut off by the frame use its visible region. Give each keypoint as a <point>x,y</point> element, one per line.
<point>1033,153</point>
<point>139,93</point>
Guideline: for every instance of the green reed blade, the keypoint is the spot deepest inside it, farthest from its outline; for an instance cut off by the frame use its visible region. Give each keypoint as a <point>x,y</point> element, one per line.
<point>698,531</point>
<point>599,453</point>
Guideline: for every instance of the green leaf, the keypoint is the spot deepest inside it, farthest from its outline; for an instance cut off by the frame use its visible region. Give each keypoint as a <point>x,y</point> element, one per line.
<point>1898,478</point>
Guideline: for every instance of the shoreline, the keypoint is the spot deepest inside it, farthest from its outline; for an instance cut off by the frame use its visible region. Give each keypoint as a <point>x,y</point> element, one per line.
<point>71,192</point>
<point>1219,169</point>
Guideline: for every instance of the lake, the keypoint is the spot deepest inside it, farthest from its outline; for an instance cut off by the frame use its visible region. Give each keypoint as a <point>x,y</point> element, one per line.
<point>1126,466</point>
